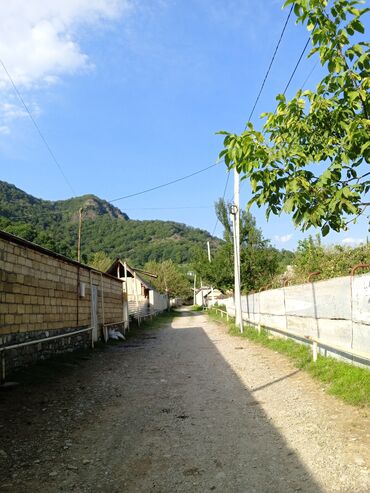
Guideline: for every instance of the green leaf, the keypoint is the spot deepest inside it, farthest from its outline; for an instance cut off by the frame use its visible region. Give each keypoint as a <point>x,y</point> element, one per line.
<point>358,26</point>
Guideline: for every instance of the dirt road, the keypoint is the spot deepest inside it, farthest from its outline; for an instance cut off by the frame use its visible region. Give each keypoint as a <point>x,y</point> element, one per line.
<point>183,408</point>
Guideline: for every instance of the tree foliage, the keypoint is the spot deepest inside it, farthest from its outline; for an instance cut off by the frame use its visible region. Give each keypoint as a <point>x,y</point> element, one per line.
<point>100,261</point>
<point>259,261</point>
<point>104,229</point>
<point>311,157</point>
<point>171,280</point>
<point>329,261</point>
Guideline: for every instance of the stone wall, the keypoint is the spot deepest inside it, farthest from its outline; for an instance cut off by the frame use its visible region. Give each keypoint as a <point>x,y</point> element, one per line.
<point>40,296</point>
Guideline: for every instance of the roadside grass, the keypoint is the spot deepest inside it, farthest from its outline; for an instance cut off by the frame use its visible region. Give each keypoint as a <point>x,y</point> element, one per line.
<point>347,382</point>
<point>197,308</point>
<point>156,322</point>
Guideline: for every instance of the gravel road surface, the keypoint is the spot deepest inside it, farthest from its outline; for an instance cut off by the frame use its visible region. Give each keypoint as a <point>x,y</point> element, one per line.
<point>182,408</point>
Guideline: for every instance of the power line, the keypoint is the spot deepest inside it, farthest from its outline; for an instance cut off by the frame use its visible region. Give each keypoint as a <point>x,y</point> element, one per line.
<point>37,127</point>
<point>267,73</point>
<point>40,215</point>
<point>168,208</point>
<point>309,74</point>
<point>261,89</point>
<point>164,184</point>
<point>297,64</point>
<point>271,62</point>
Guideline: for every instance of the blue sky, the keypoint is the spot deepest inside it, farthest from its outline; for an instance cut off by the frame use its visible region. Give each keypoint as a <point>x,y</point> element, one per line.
<point>129,94</point>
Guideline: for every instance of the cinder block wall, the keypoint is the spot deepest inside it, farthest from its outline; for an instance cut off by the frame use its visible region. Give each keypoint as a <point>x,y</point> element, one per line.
<point>40,297</point>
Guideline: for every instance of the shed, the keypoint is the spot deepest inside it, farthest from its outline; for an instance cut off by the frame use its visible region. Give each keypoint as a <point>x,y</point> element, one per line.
<point>142,297</point>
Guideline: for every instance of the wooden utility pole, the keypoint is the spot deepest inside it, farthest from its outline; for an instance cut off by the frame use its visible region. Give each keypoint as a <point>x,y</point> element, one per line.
<point>235,216</point>
<point>79,236</point>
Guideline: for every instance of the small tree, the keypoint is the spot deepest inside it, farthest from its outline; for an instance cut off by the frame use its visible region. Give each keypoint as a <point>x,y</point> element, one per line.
<point>171,278</point>
<point>100,261</point>
<point>311,158</point>
<point>259,261</point>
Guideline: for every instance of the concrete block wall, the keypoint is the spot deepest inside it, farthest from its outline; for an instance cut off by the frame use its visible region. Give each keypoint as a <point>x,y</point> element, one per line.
<point>40,297</point>
<point>337,311</point>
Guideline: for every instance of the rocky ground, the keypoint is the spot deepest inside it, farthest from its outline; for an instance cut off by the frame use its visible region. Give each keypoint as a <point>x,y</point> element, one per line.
<point>182,408</point>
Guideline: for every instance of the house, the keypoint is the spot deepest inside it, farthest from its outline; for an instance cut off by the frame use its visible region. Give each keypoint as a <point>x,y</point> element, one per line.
<point>142,297</point>
<point>207,296</point>
<point>214,296</point>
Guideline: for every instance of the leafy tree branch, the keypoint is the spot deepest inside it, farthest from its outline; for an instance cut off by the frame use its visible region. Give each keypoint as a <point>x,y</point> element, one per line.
<point>311,157</point>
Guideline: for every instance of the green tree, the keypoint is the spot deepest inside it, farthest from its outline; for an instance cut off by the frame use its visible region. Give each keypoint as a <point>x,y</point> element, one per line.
<point>100,261</point>
<point>309,257</point>
<point>171,279</point>
<point>329,261</point>
<point>311,157</point>
<point>259,261</point>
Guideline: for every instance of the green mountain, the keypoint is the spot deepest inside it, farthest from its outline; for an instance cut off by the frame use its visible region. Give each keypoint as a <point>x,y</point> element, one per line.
<point>105,228</point>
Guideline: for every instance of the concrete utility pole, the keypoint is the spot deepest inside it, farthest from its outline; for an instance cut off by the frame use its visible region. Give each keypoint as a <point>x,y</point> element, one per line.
<point>79,236</point>
<point>209,251</point>
<point>235,216</point>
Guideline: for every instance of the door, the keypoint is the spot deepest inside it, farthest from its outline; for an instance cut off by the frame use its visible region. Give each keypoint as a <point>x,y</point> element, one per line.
<point>94,312</point>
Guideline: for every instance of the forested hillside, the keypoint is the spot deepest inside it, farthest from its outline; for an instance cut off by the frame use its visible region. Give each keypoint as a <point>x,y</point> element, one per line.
<point>105,228</point>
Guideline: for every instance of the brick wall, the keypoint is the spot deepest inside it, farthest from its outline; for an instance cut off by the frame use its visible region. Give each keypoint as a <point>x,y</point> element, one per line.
<point>40,297</point>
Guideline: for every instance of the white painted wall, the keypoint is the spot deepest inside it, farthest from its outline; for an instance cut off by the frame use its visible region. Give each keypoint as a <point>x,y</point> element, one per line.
<point>337,311</point>
<point>158,301</point>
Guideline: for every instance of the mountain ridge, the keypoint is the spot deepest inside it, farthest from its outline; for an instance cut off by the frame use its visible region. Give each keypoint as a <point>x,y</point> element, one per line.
<point>54,224</point>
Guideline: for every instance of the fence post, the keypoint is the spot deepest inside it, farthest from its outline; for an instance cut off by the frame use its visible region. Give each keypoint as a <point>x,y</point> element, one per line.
<point>314,351</point>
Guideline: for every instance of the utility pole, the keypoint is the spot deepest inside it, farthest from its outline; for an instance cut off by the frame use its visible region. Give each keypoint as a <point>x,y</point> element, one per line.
<point>79,236</point>
<point>235,217</point>
<point>209,251</point>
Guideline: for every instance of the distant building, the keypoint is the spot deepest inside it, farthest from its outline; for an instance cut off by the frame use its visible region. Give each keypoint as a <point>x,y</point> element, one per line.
<point>142,297</point>
<point>207,296</point>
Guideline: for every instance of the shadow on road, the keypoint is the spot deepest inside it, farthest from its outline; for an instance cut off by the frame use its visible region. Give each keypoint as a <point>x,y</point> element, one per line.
<point>167,414</point>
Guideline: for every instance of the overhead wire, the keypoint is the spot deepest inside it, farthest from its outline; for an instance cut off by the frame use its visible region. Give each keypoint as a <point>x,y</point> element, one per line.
<point>37,127</point>
<point>297,64</point>
<point>271,62</point>
<point>309,74</point>
<point>168,208</point>
<point>186,176</point>
<point>44,215</point>
<point>163,184</point>
<point>261,88</point>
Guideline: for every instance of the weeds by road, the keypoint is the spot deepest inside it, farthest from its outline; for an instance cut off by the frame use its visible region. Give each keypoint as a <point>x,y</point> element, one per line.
<point>349,383</point>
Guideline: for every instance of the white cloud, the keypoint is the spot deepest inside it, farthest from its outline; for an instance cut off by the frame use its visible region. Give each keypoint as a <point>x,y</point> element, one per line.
<point>352,241</point>
<point>10,111</point>
<point>283,238</point>
<point>39,41</point>
<point>4,130</point>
